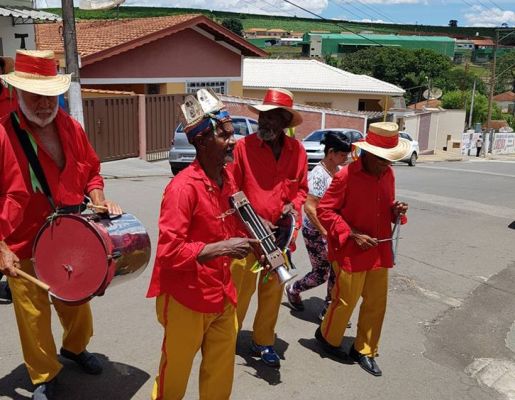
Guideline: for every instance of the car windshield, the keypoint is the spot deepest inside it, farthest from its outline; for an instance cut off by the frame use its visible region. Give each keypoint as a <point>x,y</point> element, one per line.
<point>315,136</point>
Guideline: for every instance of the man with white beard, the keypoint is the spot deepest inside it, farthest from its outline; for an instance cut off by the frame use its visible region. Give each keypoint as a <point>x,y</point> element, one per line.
<point>63,168</point>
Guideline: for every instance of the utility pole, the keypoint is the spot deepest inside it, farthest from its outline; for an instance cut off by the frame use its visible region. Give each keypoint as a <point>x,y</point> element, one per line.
<point>492,82</point>
<point>72,60</point>
<point>472,104</point>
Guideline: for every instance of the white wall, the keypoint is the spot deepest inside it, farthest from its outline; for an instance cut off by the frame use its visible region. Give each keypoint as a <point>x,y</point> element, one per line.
<point>9,43</point>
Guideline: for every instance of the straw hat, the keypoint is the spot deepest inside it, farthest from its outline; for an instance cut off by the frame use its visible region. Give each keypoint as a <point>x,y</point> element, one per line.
<point>383,141</point>
<point>279,98</point>
<point>36,72</point>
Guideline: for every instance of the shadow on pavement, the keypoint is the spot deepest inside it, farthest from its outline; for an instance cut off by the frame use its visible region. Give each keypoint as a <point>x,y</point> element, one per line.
<point>512,225</point>
<point>314,346</point>
<point>270,375</point>
<point>118,381</point>
<point>312,308</point>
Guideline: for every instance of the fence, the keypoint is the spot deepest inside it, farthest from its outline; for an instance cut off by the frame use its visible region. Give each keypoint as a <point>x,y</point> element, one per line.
<point>144,125</point>
<point>112,126</point>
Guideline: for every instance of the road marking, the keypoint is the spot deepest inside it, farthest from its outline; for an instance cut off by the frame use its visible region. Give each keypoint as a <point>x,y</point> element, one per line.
<point>450,301</point>
<point>458,204</point>
<point>496,374</point>
<point>510,338</point>
<point>474,171</point>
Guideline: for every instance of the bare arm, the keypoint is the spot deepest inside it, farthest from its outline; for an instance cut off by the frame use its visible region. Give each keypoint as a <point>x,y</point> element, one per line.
<point>310,208</point>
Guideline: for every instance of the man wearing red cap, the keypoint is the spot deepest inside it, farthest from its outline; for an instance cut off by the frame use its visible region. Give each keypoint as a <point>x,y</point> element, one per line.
<point>63,168</point>
<point>271,169</point>
<point>357,211</point>
<point>196,297</point>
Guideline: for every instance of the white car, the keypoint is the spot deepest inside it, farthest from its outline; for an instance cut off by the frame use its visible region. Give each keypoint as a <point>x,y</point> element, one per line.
<point>412,156</point>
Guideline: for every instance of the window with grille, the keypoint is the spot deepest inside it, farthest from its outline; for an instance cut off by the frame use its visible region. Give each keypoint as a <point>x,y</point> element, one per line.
<point>217,86</point>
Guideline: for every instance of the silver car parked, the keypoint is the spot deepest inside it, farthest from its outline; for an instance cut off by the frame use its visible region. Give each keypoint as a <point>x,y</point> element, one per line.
<point>315,149</point>
<point>182,153</point>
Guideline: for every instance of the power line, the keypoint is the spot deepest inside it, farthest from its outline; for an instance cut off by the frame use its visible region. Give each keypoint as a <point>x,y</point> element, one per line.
<point>336,23</point>
<point>376,11</point>
<point>353,6</point>
<point>348,11</point>
<point>496,5</point>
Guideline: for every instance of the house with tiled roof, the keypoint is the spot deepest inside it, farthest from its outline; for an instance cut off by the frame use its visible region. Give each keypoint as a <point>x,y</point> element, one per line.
<point>506,101</point>
<point>161,55</point>
<point>317,84</point>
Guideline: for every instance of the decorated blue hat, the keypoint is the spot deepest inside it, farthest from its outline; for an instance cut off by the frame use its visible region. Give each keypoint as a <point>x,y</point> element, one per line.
<point>203,113</point>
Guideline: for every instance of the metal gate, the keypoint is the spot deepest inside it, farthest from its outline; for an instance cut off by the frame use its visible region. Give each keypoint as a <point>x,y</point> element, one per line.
<point>112,126</point>
<point>162,117</point>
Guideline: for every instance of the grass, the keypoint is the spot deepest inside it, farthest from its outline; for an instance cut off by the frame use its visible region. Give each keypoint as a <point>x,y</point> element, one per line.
<point>478,70</point>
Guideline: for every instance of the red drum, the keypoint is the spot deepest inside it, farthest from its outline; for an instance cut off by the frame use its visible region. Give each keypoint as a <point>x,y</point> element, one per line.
<point>79,255</point>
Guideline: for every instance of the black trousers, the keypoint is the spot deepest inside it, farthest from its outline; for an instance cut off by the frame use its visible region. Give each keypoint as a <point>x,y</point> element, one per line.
<point>478,150</point>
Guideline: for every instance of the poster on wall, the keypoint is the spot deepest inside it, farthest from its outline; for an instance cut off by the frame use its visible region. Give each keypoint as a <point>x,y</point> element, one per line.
<point>504,143</point>
<point>468,143</point>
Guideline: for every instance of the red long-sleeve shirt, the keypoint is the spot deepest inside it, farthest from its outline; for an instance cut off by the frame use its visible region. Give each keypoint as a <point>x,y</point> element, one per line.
<point>80,175</point>
<point>13,193</point>
<point>268,183</point>
<point>358,200</point>
<point>8,102</point>
<point>194,212</point>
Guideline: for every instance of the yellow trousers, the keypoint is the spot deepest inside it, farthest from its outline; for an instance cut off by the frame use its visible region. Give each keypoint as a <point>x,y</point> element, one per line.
<point>349,287</point>
<point>33,315</point>
<point>187,331</point>
<point>269,299</point>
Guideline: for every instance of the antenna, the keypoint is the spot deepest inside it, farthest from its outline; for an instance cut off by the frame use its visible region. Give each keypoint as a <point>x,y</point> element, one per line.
<point>99,4</point>
<point>432,94</point>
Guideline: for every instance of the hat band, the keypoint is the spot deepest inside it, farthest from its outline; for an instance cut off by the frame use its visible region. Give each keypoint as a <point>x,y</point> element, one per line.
<point>387,142</point>
<point>276,98</point>
<point>35,65</point>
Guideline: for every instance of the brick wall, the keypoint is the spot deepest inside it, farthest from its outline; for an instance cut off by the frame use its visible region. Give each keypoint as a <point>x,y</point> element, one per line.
<point>312,116</point>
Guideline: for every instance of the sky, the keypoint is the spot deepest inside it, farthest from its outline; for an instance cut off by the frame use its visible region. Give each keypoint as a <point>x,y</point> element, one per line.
<point>427,12</point>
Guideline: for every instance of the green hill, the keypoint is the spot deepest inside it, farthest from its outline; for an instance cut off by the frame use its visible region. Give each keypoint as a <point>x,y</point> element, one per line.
<point>282,22</point>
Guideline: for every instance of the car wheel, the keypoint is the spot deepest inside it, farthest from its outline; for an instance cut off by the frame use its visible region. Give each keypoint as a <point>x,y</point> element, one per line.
<point>413,159</point>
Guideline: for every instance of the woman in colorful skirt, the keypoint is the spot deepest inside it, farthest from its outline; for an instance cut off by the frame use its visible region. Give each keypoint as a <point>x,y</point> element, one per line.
<point>336,150</point>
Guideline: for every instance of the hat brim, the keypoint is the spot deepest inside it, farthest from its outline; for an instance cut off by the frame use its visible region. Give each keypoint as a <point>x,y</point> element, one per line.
<point>44,86</point>
<point>396,153</point>
<point>296,120</point>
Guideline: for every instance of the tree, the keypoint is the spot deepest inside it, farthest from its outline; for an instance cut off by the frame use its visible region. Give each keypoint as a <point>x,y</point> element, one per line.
<point>505,73</point>
<point>233,24</point>
<point>458,79</point>
<point>453,23</point>
<point>409,69</point>
<point>458,100</point>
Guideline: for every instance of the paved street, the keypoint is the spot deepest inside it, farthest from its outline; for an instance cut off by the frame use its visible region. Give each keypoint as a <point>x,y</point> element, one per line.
<point>449,331</point>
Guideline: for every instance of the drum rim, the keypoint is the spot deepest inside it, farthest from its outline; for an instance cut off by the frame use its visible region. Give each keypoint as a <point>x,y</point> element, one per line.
<point>82,219</point>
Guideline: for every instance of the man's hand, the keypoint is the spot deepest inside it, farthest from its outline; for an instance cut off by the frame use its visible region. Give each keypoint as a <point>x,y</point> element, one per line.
<point>111,207</point>
<point>271,227</point>
<point>7,260</point>
<point>363,241</point>
<point>238,247</point>
<point>289,209</point>
<point>399,208</point>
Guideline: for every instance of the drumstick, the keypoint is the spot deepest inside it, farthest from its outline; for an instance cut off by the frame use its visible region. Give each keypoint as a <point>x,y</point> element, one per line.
<point>92,206</point>
<point>387,240</point>
<point>32,279</point>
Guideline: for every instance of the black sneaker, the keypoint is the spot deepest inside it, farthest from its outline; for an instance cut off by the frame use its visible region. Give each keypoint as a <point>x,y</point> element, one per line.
<point>5,293</point>
<point>294,300</point>
<point>87,361</point>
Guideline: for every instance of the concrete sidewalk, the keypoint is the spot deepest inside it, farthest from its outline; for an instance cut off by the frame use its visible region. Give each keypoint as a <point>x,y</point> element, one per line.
<point>134,168</point>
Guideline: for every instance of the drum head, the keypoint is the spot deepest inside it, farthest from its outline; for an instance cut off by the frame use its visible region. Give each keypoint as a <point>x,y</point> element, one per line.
<point>70,256</point>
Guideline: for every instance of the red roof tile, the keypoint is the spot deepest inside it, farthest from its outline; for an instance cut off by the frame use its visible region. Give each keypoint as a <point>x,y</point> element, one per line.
<point>432,103</point>
<point>506,96</point>
<point>99,39</point>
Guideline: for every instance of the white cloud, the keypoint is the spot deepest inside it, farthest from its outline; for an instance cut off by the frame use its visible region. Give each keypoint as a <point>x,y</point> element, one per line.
<point>276,7</point>
<point>480,16</point>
